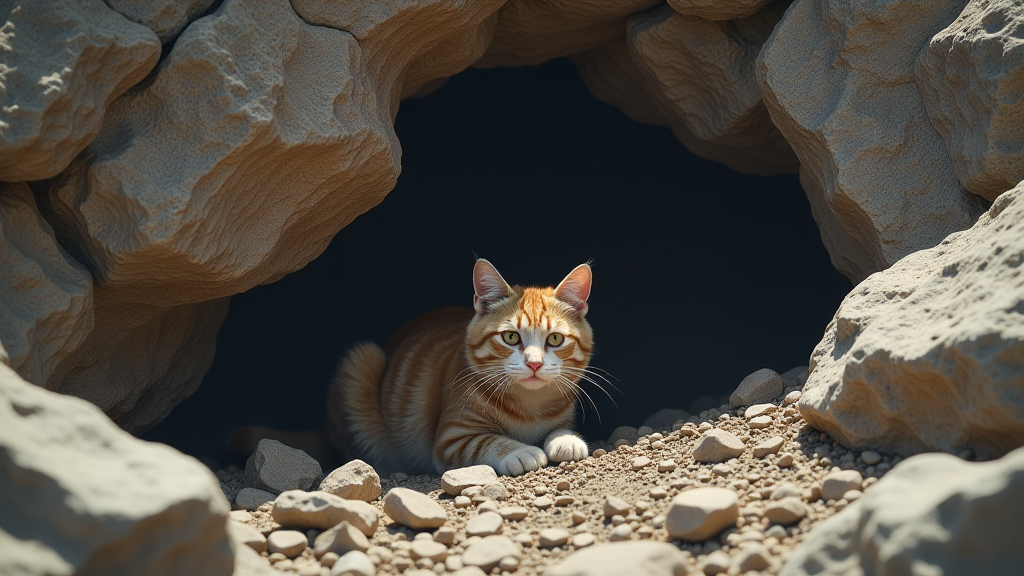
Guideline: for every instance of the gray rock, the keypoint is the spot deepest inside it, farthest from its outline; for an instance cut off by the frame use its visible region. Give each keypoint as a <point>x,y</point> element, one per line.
<point>340,539</point>
<point>354,563</point>
<point>761,387</point>
<point>414,509</point>
<point>717,445</point>
<point>276,468</point>
<point>323,510</point>
<point>253,498</point>
<point>486,553</point>
<point>701,513</point>
<point>356,480</point>
<point>663,419</point>
<point>454,481</point>
<point>795,376</point>
<point>637,558</point>
<point>627,433</point>
<point>165,17</point>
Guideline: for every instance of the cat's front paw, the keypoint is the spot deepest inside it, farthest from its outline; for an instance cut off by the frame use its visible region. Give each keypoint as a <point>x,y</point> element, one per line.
<point>564,446</point>
<point>522,461</point>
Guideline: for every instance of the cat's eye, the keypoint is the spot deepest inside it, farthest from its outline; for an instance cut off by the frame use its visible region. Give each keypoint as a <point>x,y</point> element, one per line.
<point>555,339</point>
<point>511,337</point>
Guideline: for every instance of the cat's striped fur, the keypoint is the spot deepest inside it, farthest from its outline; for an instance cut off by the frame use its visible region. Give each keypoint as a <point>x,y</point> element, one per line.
<point>457,387</point>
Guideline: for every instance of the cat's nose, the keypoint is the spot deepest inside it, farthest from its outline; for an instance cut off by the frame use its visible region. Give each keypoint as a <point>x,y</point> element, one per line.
<point>534,365</point>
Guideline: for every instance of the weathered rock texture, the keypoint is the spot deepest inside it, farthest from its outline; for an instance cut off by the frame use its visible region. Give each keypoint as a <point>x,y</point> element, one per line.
<point>929,354</point>
<point>838,80</point>
<point>165,17</point>
<point>610,75</point>
<point>78,495</point>
<point>718,9</point>
<point>933,514</point>
<point>62,62</point>
<point>972,77</point>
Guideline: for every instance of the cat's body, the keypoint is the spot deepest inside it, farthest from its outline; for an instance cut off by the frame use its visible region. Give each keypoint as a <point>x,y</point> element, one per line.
<point>460,387</point>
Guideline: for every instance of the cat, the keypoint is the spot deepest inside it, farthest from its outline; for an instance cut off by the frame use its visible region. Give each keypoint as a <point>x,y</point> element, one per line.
<point>458,387</point>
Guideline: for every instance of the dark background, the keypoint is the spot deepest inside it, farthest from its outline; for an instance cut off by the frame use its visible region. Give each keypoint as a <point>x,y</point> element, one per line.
<point>701,274</point>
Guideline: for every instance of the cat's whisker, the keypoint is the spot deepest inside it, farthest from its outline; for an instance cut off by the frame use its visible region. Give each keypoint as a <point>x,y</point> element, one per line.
<point>591,370</point>
<point>584,375</point>
<point>576,387</point>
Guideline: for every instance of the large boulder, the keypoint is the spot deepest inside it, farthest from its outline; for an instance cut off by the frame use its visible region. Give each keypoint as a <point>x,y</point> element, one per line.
<point>838,80</point>
<point>933,514</point>
<point>80,496</point>
<point>610,75</point>
<point>165,17</point>
<point>971,77</point>
<point>929,354</point>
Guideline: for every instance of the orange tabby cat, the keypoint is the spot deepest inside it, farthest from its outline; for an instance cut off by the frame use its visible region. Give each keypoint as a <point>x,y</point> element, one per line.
<point>457,387</point>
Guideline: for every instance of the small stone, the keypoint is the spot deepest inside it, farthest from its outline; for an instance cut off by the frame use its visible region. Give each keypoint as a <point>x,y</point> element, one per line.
<point>328,560</point>
<point>353,563</point>
<point>698,514</point>
<point>472,491</point>
<point>553,537</point>
<point>600,452</point>
<point>758,410</point>
<point>462,501</point>
<point>494,491</point>
<point>276,468</point>
<point>785,511</point>
<point>640,462</point>
<point>291,543</point>
<point>514,513</point>
<point>323,510</point>
<point>469,571</point>
<point>578,518</point>
<point>613,505</point>
<point>356,480</point>
<point>644,431</point>
<point>486,553</point>
<point>785,460</point>
<point>760,422</point>
<point>435,551</point>
<point>769,446</point>
<point>621,532</point>
<point>715,563</point>
<point>658,493</point>
<point>253,498</point>
<point>752,556</point>
<point>582,540</point>
<point>508,564</point>
<point>835,484</point>
<point>627,433</point>
<point>564,500</point>
<point>524,538</point>
<point>635,558</point>
<point>757,388</point>
<point>242,516</point>
<point>484,524</point>
<point>721,470</point>
<point>414,509</point>
<point>717,446</point>
<point>786,490</point>
<point>454,564</point>
<point>562,485</point>
<point>775,531</point>
<point>340,539</point>
<point>666,465</point>
<point>851,495</point>
<point>247,535</point>
<point>870,457</point>
<point>276,557</point>
<point>487,506</point>
<point>543,503</point>
<point>454,481</point>
<point>445,535</point>
<point>791,398</point>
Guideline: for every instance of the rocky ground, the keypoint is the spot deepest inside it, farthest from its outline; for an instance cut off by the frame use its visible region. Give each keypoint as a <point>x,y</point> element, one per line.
<point>756,480</point>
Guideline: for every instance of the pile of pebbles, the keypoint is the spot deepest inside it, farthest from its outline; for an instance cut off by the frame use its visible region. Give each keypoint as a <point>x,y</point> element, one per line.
<point>735,489</point>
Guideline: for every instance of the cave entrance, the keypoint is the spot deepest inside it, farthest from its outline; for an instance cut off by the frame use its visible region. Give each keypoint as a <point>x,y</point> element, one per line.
<point>702,274</point>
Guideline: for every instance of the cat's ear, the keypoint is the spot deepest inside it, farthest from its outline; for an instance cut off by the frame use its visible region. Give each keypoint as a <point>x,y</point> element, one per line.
<point>488,286</point>
<point>574,290</point>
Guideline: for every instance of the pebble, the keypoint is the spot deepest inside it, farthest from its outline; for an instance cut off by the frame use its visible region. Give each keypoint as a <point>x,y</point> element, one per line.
<point>276,468</point>
<point>494,491</point>
<point>785,490</point>
<point>564,500</point>
<point>562,485</point>
<point>640,462</point>
<point>328,560</point>
<point>851,495</point>
<point>715,563</point>
<point>323,510</point>
<point>621,532</point>
<point>291,543</point>
<point>768,446</point>
<point>484,524</point>
<point>870,457</point>
<point>636,558</point>
<point>791,398</point>
<point>543,503</point>
<point>553,537</point>
<point>356,480</point>
<point>760,422</point>
<point>698,514</point>
<point>514,513</point>
<point>253,498</point>
<point>354,563</point>
<point>487,506</point>
<point>751,556</point>
<point>776,531</point>
<point>462,501</point>
<point>247,535</point>
<point>658,493</point>
<point>486,553</point>
<point>414,509</point>
<point>613,505</point>
<point>341,539</point>
<point>578,518</point>
<point>435,551</point>
<point>785,460</point>
<point>583,540</point>
<point>666,466</point>
<point>757,388</point>
<point>785,511</point>
<point>721,470</point>
<point>454,564</point>
<point>717,446</point>
<point>758,410</point>
<point>242,516</point>
<point>835,484</point>
<point>454,481</point>
<point>508,564</point>
<point>469,571</point>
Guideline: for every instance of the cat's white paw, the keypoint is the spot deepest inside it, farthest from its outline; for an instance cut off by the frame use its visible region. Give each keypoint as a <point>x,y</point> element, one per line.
<point>522,461</point>
<point>564,446</point>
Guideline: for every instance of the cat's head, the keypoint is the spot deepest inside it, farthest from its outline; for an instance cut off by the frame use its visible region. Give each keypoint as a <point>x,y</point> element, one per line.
<point>535,337</point>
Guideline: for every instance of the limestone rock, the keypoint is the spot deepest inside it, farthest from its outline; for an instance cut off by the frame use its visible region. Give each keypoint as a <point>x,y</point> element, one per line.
<point>62,62</point>
<point>276,468</point>
<point>484,524</point>
<point>553,537</point>
<point>613,505</point>
<point>454,481</point>
<point>340,539</point>
<point>701,513</point>
<point>253,498</point>
<point>847,103</point>
<point>533,31</point>
<point>247,535</point>
<point>79,495</point>
<point>971,77</point>
<point>423,548</point>
<point>835,484</point>
<point>785,511</point>
<point>635,558</point>
<point>924,356</point>
<point>701,75</point>
<point>718,9</point>
<point>456,52</point>
<point>354,563</point>
<point>610,75</point>
<point>933,513</point>
<point>248,562</point>
<point>717,446</point>
<point>356,480</point>
<point>165,17</point>
<point>768,446</point>
<point>323,510</point>
<point>486,553</point>
<point>46,306</point>
<point>414,509</point>
<point>758,388</point>
<point>291,543</point>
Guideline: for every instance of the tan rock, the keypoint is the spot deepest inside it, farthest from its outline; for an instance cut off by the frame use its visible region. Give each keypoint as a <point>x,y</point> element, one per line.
<point>323,510</point>
<point>759,387</point>
<point>484,524</point>
<point>413,509</point>
<point>717,445</point>
<point>911,361</point>
<point>758,410</point>
<point>514,513</point>
<point>848,105</point>
<point>701,513</point>
<point>768,446</point>
<point>436,551</point>
<point>835,484</point>
<point>614,505</point>
<point>486,553</point>
<point>785,511</point>
<point>277,468</point>
<point>291,543</point>
<point>356,480</point>
<point>971,76</point>
<point>246,534</point>
<point>340,539</point>
<point>718,9</point>
<point>610,75</point>
<point>454,481</point>
<point>751,556</point>
<point>354,563</point>
<point>165,17</point>
<point>635,558</point>
<point>553,537</point>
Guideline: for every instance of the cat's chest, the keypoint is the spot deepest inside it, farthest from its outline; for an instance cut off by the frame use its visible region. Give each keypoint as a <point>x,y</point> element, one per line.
<point>532,432</point>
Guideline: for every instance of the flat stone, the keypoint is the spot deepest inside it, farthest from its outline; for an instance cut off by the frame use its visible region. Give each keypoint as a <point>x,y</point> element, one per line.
<point>641,462</point>
<point>786,490</point>
<point>835,484</point>
<point>484,524</point>
<point>246,534</point>
<point>785,511</point>
<point>354,563</point>
<point>751,556</point>
<point>564,500</point>
<point>759,422</point>
<point>494,491</point>
<point>583,540</point>
<point>543,503</point>
<point>291,543</point>
<point>445,535</point>
<point>340,539</point>
<point>242,516</point>
<point>276,468</point>
<point>323,510</point>
<point>698,514</point>
<point>715,563</point>
<point>514,513</point>
<point>614,505</point>
<point>414,509</point>
<point>760,387</point>
<point>769,446</point>
<point>717,445</point>
<point>486,553</point>
<point>434,550</point>
<point>666,465</point>
<point>356,480</point>
<point>791,398</point>
<point>636,558</point>
<point>454,481</point>
<point>758,410</point>
<point>553,537</point>
<point>462,501</point>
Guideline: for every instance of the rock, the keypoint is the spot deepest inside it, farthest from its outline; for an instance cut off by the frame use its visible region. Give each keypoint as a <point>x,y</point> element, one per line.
<point>620,533</point>
<point>785,460</point>
<point>610,75</point>
<point>912,359</point>
<point>436,551</point>
<point>844,98</point>
<point>469,571</point>
<point>786,490</point>
<point>354,563</point>
<point>165,17</point>
<point>933,512</point>
<point>582,540</point>
<point>486,553</point>
<point>795,377</point>
<point>253,498</point>
<point>553,537</point>
<point>276,468</point>
<point>792,397</point>
<point>246,534</point>
<point>640,462</point>
<point>785,511</point>
<point>760,422</point>
<point>514,513</point>
<point>46,296</point>
<point>970,76</point>
<point>870,457</point>
<point>717,446</point>
<point>414,509</point>
<point>666,465</point>
<point>484,524</point>
<point>340,539</point>
<point>627,433</point>
<point>715,563</point>
<point>636,558</point>
<point>663,419</point>
<point>717,9</point>
<point>61,70</point>
<point>291,543</point>
<point>835,484</point>
<point>760,387</point>
<point>758,410</point>
<point>701,513</point>
<point>614,505</point>
<point>543,503</point>
<point>323,510</point>
<point>494,491</point>
<point>768,446</point>
<point>356,480</point>
<point>242,516</point>
<point>462,502</point>
<point>453,482</point>
<point>79,494</point>
<point>751,556</point>
<point>700,74</point>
